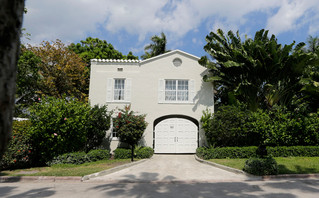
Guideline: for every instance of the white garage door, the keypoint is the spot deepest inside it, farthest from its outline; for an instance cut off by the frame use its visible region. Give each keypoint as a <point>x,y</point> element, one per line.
<point>176,135</point>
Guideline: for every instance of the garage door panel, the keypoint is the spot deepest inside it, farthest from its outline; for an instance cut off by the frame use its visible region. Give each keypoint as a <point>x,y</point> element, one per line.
<point>176,135</point>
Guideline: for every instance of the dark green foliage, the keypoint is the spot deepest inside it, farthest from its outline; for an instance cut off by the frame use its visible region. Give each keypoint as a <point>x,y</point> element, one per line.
<point>261,166</point>
<point>70,158</point>
<point>19,148</point>
<point>226,152</point>
<point>157,47</point>
<point>258,71</point>
<point>92,48</point>
<point>129,127</point>
<point>80,157</point>
<point>247,152</point>
<point>144,152</point>
<point>28,79</point>
<point>62,126</point>
<point>227,128</point>
<point>99,154</point>
<point>98,122</point>
<point>235,126</point>
<point>122,153</point>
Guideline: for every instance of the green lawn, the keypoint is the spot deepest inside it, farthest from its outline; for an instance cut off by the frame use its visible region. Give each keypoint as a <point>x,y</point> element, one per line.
<point>286,165</point>
<point>67,169</point>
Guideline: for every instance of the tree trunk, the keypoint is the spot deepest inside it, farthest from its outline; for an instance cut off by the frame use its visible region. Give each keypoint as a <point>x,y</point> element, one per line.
<point>132,153</point>
<point>11,14</point>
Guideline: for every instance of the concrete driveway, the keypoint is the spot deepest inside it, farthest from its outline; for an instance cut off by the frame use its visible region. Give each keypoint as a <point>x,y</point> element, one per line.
<point>171,168</point>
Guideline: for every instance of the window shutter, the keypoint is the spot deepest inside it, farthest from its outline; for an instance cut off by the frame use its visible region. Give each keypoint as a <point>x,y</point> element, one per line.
<point>128,86</point>
<point>109,90</point>
<point>161,90</point>
<point>191,91</point>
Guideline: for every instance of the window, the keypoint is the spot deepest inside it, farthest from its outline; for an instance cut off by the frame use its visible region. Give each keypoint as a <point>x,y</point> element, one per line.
<point>176,90</point>
<point>118,90</point>
<point>114,133</point>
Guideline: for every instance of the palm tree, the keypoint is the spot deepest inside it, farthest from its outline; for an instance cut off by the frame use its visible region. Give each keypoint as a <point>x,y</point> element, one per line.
<point>313,43</point>
<point>157,47</point>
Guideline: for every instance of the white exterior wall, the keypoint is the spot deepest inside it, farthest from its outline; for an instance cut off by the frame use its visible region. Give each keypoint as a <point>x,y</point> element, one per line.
<point>145,76</point>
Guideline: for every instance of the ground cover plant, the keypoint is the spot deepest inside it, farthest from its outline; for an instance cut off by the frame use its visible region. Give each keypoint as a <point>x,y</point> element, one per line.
<point>67,169</point>
<point>286,165</point>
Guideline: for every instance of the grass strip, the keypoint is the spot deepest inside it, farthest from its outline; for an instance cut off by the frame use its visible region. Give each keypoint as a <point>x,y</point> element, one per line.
<point>67,169</point>
<point>286,165</point>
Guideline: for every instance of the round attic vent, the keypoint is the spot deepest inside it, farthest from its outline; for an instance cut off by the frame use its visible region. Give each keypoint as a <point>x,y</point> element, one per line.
<point>177,62</point>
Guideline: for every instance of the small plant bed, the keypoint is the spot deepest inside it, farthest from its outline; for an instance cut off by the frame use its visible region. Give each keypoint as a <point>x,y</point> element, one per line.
<point>286,165</point>
<point>67,169</point>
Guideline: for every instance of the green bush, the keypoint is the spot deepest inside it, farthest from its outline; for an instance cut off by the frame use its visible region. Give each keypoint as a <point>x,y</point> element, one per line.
<point>226,152</point>
<point>66,125</point>
<point>247,152</point>
<point>70,158</point>
<point>235,126</point>
<point>261,166</point>
<point>99,154</point>
<point>122,153</point>
<point>80,157</point>
<point>144,152</point>
<point>18,154</point>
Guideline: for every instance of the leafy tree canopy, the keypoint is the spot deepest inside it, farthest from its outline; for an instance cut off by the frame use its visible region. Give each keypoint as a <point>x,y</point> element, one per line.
<point>157,47</point>
<point>129,127</point>
<point>61,71</point>
<point>259,72</point>
<point>92,48</point>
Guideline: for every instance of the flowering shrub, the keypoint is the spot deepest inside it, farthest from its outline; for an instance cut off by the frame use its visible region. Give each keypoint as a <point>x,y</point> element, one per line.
<point>19,148</point>
<point>129,127</point>
<point>66,125</point>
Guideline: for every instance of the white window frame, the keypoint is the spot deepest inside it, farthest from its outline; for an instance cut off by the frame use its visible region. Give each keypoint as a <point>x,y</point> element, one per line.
<point>112,132</point>
<point>110,93</point>
<point>162,91</point>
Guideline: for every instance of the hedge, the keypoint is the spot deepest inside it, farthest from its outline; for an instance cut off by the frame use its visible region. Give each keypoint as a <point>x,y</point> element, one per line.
<point>247,152</point>
<point>140,153</point>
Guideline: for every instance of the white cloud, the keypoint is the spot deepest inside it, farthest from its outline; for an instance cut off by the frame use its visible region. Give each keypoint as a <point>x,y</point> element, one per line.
<point>72,20</point>
<point>292,14</point>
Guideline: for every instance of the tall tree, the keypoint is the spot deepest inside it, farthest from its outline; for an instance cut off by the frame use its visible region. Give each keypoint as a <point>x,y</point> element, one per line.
<point>157,47</point>
<point>28,80</point>
<point>11,14</point>
<point>63,72</point>
<point>91,48</point>
<point>258,72</point>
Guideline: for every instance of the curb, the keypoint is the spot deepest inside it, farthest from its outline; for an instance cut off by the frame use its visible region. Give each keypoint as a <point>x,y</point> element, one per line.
<point>290,176</point>
<point>265,177</point>
<point>5,179</point>
<point>112,170</point>
<point>226,168</point>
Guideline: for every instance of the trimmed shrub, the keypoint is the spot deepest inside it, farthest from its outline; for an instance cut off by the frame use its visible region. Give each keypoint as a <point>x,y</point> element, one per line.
<point>144,152</point>
<point>70,158</point>
<point>19,149</point>
<point>66,125</point>
<point>261,166</point>
<point>247,152</point>
<point>99,154</point>
<point>122,153</point>
<point>236,126</point>
<point>226,152</point>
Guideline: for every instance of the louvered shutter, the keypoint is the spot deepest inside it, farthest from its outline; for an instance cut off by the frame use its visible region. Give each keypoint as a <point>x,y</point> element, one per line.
<point>161,91</point>
<point>128,87</point>
<point>191,91</point>
<point>109,90</point>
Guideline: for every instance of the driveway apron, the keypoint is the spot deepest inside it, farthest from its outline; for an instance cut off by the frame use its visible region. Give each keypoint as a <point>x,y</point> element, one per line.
<point>171,168</point>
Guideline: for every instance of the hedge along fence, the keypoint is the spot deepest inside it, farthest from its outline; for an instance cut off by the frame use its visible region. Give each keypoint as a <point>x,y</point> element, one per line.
<point>247,152</point>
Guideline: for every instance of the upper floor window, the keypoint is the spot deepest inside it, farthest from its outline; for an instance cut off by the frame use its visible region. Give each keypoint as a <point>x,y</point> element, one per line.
<point>176,91</point>
<point>118,90</point>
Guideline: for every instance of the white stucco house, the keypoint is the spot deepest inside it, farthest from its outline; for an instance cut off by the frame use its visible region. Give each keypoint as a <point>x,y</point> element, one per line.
<point>167,88</point>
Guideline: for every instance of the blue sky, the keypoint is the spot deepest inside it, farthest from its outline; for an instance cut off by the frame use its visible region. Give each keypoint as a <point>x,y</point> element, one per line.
<point>129,24</point>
